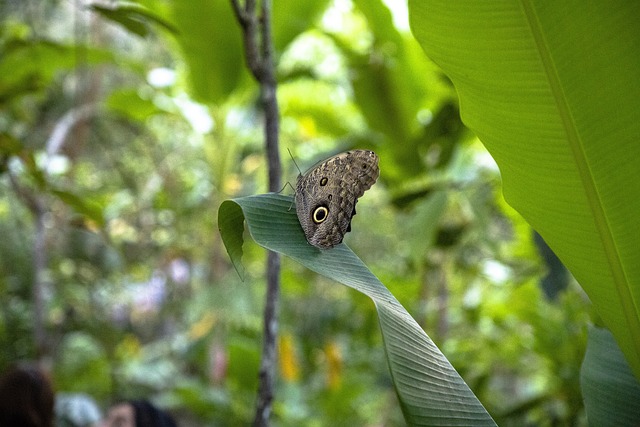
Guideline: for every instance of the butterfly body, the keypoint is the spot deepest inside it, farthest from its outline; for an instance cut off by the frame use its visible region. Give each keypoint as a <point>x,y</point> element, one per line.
<point>327,194</point>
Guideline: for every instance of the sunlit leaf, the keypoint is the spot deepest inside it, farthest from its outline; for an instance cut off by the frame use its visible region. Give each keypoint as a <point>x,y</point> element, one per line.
<point>133,17</point>
<point>553,91</point>
<point>211,41</point>
<point>129,103</point>
<point>292,18</point>
<point>83,205</point>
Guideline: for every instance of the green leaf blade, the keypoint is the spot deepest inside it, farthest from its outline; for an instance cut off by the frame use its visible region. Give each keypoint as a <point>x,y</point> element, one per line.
<point>552,90</point>
<point>430,391</point>
<point>231,226</point>
<point>608,383</point>
<point>83,205</point>
<point>211,41</point>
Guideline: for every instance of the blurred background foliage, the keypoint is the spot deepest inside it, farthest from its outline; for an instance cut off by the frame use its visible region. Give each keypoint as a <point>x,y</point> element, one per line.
<point>123,126</point>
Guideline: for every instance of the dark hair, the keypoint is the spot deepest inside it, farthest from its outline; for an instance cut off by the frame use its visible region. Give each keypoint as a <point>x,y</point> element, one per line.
<point>148,415</point>
<point>26,399</point>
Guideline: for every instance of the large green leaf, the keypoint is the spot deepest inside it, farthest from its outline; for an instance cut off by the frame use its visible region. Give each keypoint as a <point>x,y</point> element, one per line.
<point>608,384</point>
<point>292,18</point>
<point>430,391</point>
<point>211,41</point>
<point>553,91</point>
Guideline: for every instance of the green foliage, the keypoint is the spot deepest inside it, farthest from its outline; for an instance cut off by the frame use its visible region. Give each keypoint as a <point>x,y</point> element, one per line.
<point>534,99</point>
<point>541,87</point>
<point>83,365</point>
<point>139,298</point>
<point>608,383</point>
<point>133,17</point>
<point>211,43</point>
<point>419,370</point>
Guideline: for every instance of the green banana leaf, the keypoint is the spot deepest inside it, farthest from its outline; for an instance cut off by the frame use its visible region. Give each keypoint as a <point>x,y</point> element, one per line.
<point>430,391</point>
<point>608,385</point>
<point>552,89</point>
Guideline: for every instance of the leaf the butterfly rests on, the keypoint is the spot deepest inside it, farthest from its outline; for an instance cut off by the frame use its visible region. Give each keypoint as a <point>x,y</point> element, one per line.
<point>327,194</point>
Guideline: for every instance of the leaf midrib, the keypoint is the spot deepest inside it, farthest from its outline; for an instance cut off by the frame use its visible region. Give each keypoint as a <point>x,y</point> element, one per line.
<point>593,199</point>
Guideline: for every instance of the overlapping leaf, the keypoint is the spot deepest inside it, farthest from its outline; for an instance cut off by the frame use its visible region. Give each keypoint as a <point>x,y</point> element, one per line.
<point>608,384</point>
<point>553,91</point>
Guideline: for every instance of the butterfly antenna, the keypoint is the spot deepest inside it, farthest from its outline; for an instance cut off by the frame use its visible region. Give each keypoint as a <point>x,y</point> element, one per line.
<point>294,161</point>
<point>285,186</point>
<point>299,171</point>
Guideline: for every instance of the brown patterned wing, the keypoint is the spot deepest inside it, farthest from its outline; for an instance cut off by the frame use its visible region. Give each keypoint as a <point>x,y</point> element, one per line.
<point>326,195</point>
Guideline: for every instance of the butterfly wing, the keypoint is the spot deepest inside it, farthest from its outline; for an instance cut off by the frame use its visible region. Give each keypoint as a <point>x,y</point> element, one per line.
<point>326,195</point>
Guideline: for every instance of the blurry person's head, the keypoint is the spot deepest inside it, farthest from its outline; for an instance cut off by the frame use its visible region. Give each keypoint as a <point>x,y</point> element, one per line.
<point>26,399</point>
<point>120,415</point>
<point>137,413</point>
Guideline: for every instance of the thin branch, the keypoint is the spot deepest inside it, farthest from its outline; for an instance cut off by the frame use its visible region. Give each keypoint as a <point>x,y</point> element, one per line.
<point>268,362</point>
<point>267,44</point>
<point>258,48</point>
<point>239,12</point>
<point>270,100</point>
<point>249,23</point>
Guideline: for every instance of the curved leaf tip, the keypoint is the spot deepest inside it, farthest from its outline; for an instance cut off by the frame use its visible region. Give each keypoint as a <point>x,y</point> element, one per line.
<point>231,227</point>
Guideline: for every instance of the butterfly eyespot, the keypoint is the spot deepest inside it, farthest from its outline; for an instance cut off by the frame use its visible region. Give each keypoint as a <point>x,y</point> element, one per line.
<point>320,214</point>
<point>323,181</point>
<point>330,196</point>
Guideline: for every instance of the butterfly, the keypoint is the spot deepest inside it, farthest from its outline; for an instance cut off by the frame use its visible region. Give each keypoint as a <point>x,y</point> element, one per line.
<point>326,195</point>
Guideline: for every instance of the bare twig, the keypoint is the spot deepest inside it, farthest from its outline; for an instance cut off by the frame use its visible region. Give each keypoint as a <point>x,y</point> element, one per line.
<point>269,99</point>
<point>239,12</point>
<point>258,48</point>
<point>249,22</point>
